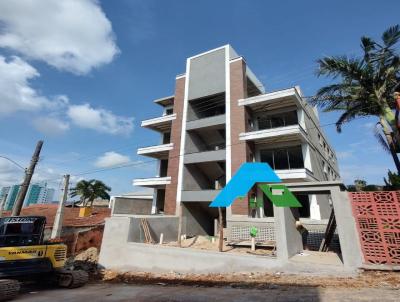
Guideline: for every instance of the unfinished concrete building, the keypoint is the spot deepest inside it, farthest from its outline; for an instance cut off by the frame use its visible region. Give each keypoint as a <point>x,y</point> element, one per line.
<point>219,117</point>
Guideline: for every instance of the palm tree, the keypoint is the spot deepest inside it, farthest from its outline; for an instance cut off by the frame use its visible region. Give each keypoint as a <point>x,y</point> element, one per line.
<point>365,87</point>
<point>90,190</point>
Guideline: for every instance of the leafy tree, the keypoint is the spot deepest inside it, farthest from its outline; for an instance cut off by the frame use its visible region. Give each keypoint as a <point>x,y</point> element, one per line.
<point>90,190</point>
<point>365,87</point>
<point>362,186</point>
<point>393,181</point>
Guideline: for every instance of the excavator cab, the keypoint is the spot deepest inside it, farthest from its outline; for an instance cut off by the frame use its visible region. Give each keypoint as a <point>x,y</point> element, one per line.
<point>21,231</point>
<point>24,255</point>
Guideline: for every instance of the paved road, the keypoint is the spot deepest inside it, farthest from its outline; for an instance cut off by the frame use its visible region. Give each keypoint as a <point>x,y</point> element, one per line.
<point>154,293</point>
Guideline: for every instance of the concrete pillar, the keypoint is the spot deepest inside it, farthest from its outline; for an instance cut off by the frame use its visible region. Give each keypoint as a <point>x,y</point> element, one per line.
<point>288,238</point>
<point>347,230</point>
<point>315,212</point>
<point>305,149</point>
<point>154,203</point>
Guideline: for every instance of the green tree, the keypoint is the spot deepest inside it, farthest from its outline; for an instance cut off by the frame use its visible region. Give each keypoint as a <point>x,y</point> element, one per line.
<point>393,181</point>
<point>365,87</point>
<point>90,190</point>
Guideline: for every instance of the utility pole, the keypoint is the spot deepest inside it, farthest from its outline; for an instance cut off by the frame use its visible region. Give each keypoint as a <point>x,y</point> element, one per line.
<point>58,221</point>
<point>28,176</point>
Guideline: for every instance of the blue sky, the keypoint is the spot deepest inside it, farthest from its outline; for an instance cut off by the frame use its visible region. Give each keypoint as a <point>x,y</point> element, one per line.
<point>82,74</point>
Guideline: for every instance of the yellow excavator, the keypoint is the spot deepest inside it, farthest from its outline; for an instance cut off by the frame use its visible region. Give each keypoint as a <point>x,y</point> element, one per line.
<point>24,255</point>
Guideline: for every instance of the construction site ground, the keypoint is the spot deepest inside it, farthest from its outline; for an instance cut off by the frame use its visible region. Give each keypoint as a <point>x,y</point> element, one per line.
<point>109,285</point>
<point>105,291</point>
<point>211,244</point>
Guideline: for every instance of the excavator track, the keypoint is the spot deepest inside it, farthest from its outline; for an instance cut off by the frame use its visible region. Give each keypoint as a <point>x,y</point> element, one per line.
<point>9,289</point>
<point>72,279</point>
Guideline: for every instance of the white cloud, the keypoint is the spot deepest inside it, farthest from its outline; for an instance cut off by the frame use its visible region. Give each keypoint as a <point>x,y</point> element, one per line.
<point>15,91</point>
<point>72,35</point>
<point>100,120</point>
<point>111,159</point>
<point>50,125</point>
<point>10,174</point>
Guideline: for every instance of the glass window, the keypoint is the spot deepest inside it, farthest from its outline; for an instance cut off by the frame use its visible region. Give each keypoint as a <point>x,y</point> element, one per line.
<point>267,156</point>
<point>281,159</point>
<point>291,118</point>
<point>295,157</point>
<point>166,138</point>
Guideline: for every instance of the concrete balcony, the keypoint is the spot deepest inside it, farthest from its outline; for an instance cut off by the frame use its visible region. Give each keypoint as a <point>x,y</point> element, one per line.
<point>166,101</point>
<point>275,100</point>
<point>199,196</point>
<point>160,124</point>
<point>207,122</point>
<point>302,174</point>
<point>205,156</point>
<point>158,151</point>
<point>153,182</point>
<point>280,134</point>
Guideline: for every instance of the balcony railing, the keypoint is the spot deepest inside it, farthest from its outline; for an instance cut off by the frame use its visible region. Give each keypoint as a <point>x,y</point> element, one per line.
<point>262,122</point>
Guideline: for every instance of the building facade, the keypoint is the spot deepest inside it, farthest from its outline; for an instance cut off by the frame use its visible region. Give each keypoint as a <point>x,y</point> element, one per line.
<point>219,117</point>
<point>38,194</point>
<point>11,193</point>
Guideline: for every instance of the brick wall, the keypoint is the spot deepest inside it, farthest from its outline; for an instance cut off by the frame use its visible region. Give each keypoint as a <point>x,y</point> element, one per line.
<point>240,150</point>
<point>173,161</point>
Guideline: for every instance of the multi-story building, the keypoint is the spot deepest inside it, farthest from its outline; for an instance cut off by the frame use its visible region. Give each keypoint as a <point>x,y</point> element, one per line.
<point>12,193</point>
<point>38,193</point>
<point>219,117</point>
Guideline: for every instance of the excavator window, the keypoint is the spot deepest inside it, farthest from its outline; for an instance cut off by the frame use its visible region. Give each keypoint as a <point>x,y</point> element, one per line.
<point>21,231</point>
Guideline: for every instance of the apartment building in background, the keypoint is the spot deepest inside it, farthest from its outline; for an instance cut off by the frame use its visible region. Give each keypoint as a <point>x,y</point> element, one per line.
<point>220,117</point>
<point>8,196</point>
<point>37,194</point>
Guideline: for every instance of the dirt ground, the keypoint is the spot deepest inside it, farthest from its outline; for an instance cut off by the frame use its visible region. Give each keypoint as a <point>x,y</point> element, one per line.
<point>108,285</point>
<point>152,293</point>
<point>207,243</point>
<point>365,279</point>
<point>388,280</point>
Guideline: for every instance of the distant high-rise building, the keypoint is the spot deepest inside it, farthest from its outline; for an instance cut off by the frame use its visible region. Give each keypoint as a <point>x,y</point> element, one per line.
<point>3,195</point>
<point>47,195</point>
<point>11,197</point>
<point>38,193</point>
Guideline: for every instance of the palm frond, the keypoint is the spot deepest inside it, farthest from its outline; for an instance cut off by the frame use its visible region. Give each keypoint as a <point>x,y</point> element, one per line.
<point>381,139</point>
<point>391,36</point>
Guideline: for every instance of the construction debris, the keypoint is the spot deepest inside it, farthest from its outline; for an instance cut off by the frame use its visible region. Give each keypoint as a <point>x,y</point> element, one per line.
<point>86,260</point>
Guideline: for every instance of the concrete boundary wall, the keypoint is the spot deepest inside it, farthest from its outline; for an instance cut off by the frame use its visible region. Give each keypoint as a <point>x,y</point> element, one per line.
<point>119,253</point>
<point>160,259</point>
